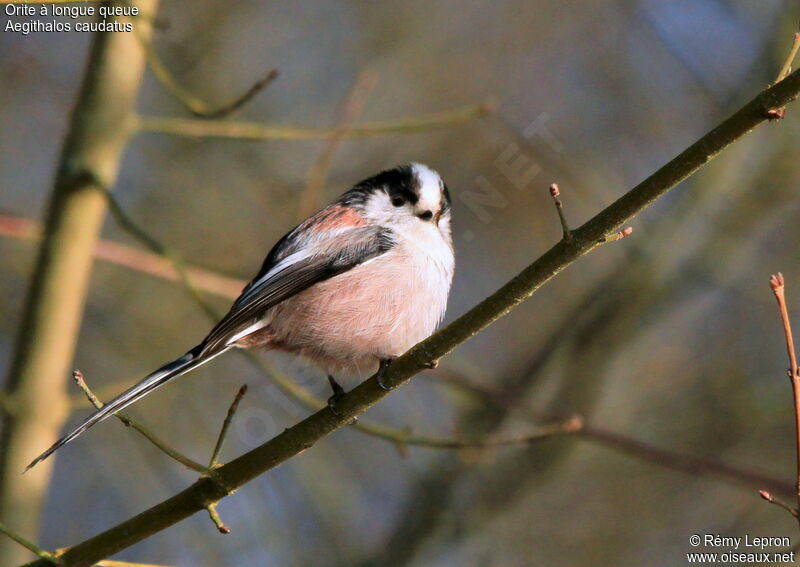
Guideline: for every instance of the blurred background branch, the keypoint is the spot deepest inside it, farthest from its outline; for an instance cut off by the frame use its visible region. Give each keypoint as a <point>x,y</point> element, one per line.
<point>51,320</point>
<point>193,103</point>
<point>256,131</point>
<point>778,285</point>
<point>161,265</point>
<point>313,196</point>
<point>135,425</point>
<point>304,434</point>
<point>663,342</point>
<point>142,261</point>
<point>403,438</point>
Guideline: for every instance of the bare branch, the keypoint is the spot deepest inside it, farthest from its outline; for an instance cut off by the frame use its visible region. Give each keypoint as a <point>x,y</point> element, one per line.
<point>214,515</point>
<point>307,432</point>
<point>778,286</point>
<point>225,425</point>
<point>50,558</point>
<point>681,462</point>
<point>149,263</point>
<point>787,65</point>
<point>194,104</point>
<point>622,443</point>
<point>555,192</point>
<point>768,496</point>
<point>256,131</point>
<point>402,438</point>
<point>132,423</point>
<point>312,197</point>
<point>130,226</point>
<point>779,112</point>
<point>211,508</point>
<point>96,137</point>
<point>572,425</point>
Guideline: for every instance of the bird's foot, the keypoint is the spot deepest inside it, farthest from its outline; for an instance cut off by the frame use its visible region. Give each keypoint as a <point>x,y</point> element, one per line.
<point>384,364</point>
<point>338,392</point>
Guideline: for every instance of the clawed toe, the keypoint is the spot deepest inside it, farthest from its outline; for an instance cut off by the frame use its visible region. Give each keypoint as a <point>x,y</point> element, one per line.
<point>332,404</point>
<point>338,393</point>
<point>384,364</point>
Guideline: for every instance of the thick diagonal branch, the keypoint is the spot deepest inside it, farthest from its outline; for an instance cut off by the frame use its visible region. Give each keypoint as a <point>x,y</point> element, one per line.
<point>307,432</point>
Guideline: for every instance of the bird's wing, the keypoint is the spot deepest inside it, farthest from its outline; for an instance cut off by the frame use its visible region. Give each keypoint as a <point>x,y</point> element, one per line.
<point>323,225</point>
<point>323,257</point>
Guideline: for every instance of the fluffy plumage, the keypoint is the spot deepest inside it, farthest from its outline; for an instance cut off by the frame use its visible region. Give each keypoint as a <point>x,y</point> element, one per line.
<point>359,282</point>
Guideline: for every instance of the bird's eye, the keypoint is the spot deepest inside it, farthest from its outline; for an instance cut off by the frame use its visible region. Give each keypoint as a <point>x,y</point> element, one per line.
<point>427,215</point>
<point>398,202</point>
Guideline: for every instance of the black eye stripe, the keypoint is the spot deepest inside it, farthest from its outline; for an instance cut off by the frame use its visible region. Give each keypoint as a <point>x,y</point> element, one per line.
<point>401,185</point>
<point>404,194</point>
<point>427,215</point>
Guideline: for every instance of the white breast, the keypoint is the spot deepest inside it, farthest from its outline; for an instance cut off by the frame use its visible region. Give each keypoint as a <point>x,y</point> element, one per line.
<point>379,309</point>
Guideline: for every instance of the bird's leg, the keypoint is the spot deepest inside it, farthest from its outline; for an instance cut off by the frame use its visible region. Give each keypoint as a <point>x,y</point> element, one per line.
<point>384,364</point>
<point>338,392</point>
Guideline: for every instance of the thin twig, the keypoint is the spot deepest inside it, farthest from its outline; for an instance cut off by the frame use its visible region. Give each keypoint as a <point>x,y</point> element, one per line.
<point>769,497</point>
<point>197,106</point>
<point>226,424</point>
<point>230,288</point>
<point>400,437</point>
<point>778,285</point>
<point>661,457</point>
<point>149,263</point>
<point>571,425</point>
<point>126,222</point>
<point>256,131</point>
<point>787,65</point>
<point>555,193</point>
<point>403,438</point>
<point>186,461</point>
<point>29,545</point>
<point>214,515</point>
<point>680,462</point>
<point>779,112</point>
<point>212,507</point>
<point>238,103</point>
<point>307,432</point>
<point>312,197</point>
<point>95,139</point>
<point>130,422</point>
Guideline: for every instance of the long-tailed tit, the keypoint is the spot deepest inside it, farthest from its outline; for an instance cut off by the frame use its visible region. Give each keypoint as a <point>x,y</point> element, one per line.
<point>350,288</point>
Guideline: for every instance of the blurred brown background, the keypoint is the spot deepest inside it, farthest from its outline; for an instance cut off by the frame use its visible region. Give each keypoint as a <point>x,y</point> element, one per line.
<point>670,336</point>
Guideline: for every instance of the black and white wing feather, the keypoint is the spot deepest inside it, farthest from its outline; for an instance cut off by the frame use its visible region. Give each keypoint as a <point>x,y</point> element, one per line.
<point>297,262</point>
<point>289,274</point>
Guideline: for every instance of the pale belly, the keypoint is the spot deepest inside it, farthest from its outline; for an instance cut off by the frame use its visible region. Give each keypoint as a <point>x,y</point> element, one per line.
<point>377,310</point>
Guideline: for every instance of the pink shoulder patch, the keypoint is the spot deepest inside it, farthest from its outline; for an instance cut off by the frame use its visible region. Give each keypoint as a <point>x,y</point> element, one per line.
<point>336,216</point>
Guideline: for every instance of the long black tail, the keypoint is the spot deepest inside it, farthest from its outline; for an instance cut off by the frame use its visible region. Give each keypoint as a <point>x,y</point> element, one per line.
<point>161,376</point>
